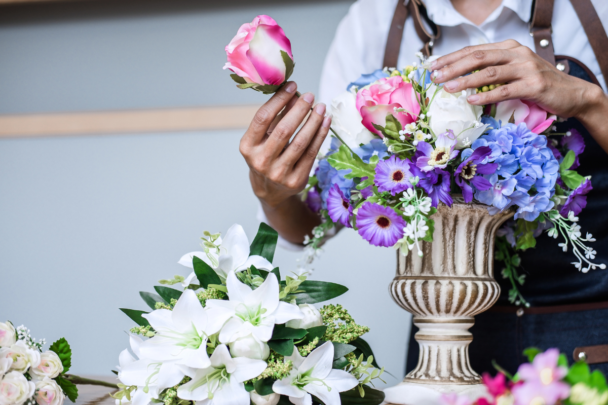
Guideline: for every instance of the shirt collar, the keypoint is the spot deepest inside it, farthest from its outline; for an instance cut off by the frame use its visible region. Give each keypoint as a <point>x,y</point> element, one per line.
<point>442,12</point>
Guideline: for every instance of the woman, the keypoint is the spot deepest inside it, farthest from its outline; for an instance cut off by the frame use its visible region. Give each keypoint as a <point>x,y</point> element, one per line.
<point>569,310</point>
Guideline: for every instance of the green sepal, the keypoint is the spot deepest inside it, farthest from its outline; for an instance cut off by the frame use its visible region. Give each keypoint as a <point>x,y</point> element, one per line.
<point>312,292</point>
<point>283,347</point>
<point>531,353</point>
<point>289,64</point>
<point>265,242</point>
<point>204,273</point>
<point>136,316</point>
<point>238,78</point>
<point>282,332</point>
<point>264,387</point>
<point>342,349</point>
<point>371,396</point>
<point>343,159</point>
<point>62,348</point>
<point>246,85</point>
<point>69,388</point>
<point>151,299</point>
<point>168,293</point>
<point>365,349</point>
<point>340,363</point>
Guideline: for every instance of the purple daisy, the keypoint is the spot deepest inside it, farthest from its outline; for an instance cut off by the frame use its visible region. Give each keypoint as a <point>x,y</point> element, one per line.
<point>393,175</point>
<point>380,226</point>
<point>428,158</point>
<point>577,200</point>
<point>436,183</point>
<point>465,174</point>
<point>338,207</point>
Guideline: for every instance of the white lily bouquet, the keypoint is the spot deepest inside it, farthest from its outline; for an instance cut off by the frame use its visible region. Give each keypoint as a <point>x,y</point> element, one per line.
<point>237,333</point>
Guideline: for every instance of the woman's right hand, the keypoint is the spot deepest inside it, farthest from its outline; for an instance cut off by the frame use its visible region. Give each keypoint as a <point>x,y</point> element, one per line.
<point>279,169</point>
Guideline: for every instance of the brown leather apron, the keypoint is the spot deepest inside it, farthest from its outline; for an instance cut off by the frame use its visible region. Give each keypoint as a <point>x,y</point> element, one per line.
<point>540,30</point>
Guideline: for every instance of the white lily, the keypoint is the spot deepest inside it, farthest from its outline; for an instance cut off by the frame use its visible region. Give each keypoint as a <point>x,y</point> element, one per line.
<point>222,382</point>
<point>251,312</point>
<point>314,375</point>
<point>181,334</point>
<point>233,255</point>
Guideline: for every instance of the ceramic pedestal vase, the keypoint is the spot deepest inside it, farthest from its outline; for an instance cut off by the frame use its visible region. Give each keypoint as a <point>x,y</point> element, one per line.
<point>444,289</point>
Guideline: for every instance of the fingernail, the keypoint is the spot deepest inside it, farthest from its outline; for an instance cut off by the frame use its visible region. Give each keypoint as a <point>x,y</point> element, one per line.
<point>433,65</point>
<point>291,87</point>
<point>451,85</point>
<point>320,108</point>
<point>326,122</point>
<point>473,99</point>
<point>308,97</point>
<point>436,75</point>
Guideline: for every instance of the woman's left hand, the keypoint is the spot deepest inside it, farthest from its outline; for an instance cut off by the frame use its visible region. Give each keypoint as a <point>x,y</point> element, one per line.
<point>525,74</point>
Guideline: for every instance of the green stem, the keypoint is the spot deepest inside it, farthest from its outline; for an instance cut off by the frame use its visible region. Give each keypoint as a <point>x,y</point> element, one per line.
<point>87,381</point>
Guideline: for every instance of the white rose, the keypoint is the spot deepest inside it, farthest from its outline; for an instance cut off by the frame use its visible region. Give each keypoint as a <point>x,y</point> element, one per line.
<point>23,357</point>
<point>249,347</point>
<point>49,393</point>
<point>270,399</point>
<point>452,111</point>
<point>312,318</point>
<point>8,336</point>
<point>5,365</point>
<point>15,389</point>
<point>50,366</point>
<point>346,121</point>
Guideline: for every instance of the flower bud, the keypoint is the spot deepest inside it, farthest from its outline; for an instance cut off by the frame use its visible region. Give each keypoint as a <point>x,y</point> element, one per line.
<point>15,389</point>
<point>50,366</point>
<point>48,392</point>
<point>249,347</point>
<point>8,337</point>
<point>312,317</point>
<point>270,399</point>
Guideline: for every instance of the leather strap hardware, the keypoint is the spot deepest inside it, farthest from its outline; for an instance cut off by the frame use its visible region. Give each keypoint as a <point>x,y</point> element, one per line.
<point>591,354</point>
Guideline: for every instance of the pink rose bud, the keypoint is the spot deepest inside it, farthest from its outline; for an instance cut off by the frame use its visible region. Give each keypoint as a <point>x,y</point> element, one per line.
<point>260,55</point>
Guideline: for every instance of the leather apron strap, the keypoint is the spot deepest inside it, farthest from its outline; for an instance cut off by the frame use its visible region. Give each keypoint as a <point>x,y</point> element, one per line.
<point>596,33</point>
<point>540,29</point>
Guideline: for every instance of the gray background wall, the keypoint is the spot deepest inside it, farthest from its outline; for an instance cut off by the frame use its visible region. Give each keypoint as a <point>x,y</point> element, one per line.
<point>87,222</point>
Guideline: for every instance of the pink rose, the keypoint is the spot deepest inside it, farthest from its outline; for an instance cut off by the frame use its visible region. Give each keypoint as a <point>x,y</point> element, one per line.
<point>379,100</point>
<point>536,119</point>
<point>260,54</point>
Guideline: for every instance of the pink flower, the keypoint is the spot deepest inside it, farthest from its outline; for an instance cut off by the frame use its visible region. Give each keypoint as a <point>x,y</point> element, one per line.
<point>496,386</point>
<point>255,54</point>
<point>377,101</point>
<point>454,399</point>
<point>542,381</point>
<point>536,119</point>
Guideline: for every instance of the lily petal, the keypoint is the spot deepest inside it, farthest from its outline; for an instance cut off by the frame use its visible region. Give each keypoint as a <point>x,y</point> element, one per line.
<point>286,312</point>
<point>258,261</point>
<point>266,295</point>
<point>246,369</point>
<point>231,393</point>
<point>236,244</point>
<point>320,360</point>
<point>237,291</point>
<point>188,311</point>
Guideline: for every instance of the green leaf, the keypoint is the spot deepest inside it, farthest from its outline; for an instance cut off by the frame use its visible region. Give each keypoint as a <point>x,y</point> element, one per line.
<point>151,299</point>
<point>343,159</point>
<point>598,381</point>
<point>531,353</point>
<point>282,332</point>
<point>238,78</point>
<point>277,273</point>
<point>392,124</point>
<point>353,397</point>
<point>571,179</point>
<point>264,387</point>
<point>249,386</point>
<point>69,388</point>
<point>579,372</point>
<point>289,64</point>
<point>264,243</point>
<point>311,292</point>
<point>284,347</point>
<point>526,229</point>
<point>340,363</point>
<point>365,184</point>
<point>562,360</point>
<point>62,348</point>
<point>204,273</point>
<point>315,332</point>
<point>342,349</point>
<point>168,293</point>
<point>136,316</point>
<point>568,161</point>
<point>284,400</point>
<point>362,345</point>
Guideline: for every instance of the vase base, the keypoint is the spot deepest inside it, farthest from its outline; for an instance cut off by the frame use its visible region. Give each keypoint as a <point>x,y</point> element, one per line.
<point>410,393</point>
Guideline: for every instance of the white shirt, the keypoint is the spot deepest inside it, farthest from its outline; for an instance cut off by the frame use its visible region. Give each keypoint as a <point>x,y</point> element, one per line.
<point>358,46</point>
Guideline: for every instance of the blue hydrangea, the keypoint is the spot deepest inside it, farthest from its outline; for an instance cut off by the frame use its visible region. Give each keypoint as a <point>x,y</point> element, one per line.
<point>374,147</point>
<point>369,78</point>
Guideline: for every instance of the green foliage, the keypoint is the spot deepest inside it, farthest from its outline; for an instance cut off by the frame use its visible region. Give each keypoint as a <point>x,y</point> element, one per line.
<point>525,230</point>
<point>342,349</point>
<point>311,292</point>
<point>167,293</point>
<point>264,386</point>
<point>364,348</point>
<point>570,178</point>
<point>283,332</point>
<point>151,299</point>
<point>505,254</point>
<point>289,64</point>
<point>265,242</point>
<point>341,327</point>
<point>316,332</point>
<point>204,273</point>
<point>238,78</point>
<point>369,396</point>
<point>283,347</point>
<point>62,348</point>
<point>531,353</point>
<point>69,388</point>
<point>136,316</point>
<point>343,159</point>
<point>277,273</point>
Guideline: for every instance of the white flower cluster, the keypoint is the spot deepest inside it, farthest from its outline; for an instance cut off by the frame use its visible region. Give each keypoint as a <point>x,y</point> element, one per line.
<point>221,345</point>
<point>417,207</point>
<point>26,374</point>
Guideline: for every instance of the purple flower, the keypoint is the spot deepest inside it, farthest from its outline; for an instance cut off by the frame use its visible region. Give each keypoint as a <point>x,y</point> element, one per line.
<point>380,226</point>
<point>328,176</point>
<point>393,175</point>
<point>577,200</point>
<point>338,207</point>
<point>542,380</point>
<point>465,174</point>
<point>498,194</point>
<point>429,158</point>
<point>437,186</point>
<point>575,143</point>
<point>534,206</point>
<point>313,200</point>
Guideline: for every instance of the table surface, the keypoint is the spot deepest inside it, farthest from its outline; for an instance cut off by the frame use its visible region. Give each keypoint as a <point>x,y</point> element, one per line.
<point>93,394</point>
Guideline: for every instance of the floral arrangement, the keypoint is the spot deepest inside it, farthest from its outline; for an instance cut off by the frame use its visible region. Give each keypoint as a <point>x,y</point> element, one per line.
<point>237,333</point>
<point>402,145</point>
<point>30,376</point>
<point>546,379</point>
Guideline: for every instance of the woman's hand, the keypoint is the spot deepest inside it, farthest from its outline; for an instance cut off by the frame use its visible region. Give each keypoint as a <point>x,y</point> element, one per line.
<point>527,76</point>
